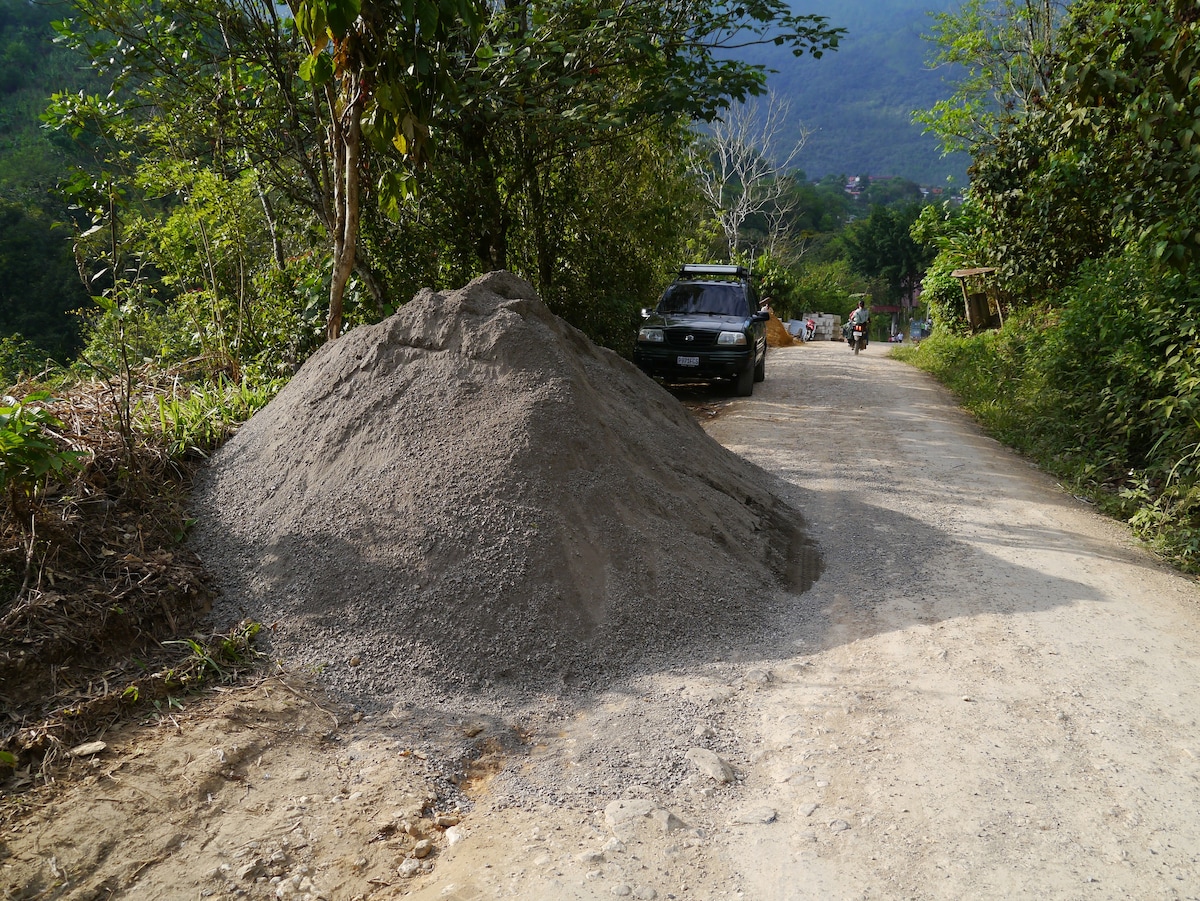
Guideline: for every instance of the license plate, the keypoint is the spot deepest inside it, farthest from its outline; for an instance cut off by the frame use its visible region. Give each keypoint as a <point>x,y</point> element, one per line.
<point>687,361</point>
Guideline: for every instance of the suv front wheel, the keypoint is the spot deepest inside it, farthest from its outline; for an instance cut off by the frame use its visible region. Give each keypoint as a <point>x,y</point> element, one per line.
<point>744,386</point>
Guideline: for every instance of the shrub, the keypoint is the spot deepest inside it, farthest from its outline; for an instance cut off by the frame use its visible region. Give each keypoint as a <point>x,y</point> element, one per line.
<point>1102,389</point>
<point>29,454</point>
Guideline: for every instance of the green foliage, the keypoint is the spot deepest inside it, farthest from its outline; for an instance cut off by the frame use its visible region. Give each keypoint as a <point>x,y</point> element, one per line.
<point>198,420</point>
<point>31,66</point>
<point>996,377</point>
<point>955,232</point>
<point>778,286</point>
<point>814,211</point>
<point>1104,350</point>
<point>217,660</point>
<point>1098,150</point>
<point>39,283</point>
<point>20,359</point>
<point>882,247</point>
<point>1127,99</point>
<point>637,62</point>
<point>1085,195</point>
<point>1047,205</point>
<point>596,234</point>
<point>825,287</point>
<point>1102,388</point>
<point>29,453</point>
<point>890,192</point>
<point>1003,52</point>
<point>504,111</point>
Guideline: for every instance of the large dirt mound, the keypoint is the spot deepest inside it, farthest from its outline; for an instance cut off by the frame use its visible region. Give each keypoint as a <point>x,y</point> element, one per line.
<point>472,491</point>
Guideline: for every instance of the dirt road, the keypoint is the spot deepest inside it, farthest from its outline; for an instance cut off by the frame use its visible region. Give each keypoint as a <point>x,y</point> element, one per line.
<point>990,693</point>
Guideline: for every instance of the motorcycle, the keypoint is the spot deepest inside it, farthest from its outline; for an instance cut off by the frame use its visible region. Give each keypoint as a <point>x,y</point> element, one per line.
<point>857,337</point>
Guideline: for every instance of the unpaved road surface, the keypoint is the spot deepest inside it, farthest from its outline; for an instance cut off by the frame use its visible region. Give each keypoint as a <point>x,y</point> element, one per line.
<point>991,692</point>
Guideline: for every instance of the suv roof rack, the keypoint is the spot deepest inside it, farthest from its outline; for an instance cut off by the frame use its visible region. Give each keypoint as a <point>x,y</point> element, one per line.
<point>705,269</point>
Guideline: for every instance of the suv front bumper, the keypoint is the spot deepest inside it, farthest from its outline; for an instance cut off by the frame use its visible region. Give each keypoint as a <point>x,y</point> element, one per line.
<point>669,362</point>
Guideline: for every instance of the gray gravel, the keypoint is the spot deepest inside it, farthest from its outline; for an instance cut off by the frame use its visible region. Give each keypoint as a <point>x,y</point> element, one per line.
<point>471,497</point>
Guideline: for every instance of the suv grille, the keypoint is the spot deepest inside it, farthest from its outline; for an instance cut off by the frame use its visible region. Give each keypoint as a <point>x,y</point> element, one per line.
<point>678,338</point>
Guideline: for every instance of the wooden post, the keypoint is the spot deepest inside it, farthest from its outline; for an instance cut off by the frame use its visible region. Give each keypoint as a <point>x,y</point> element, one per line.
<point>962,275</point>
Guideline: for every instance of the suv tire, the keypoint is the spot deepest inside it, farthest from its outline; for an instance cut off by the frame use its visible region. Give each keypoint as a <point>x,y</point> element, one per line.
<point>744,385</point>
<point>760,370</point>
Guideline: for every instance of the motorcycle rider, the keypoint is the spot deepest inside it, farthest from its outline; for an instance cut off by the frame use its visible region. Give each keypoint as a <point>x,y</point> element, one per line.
<point>860,315</point>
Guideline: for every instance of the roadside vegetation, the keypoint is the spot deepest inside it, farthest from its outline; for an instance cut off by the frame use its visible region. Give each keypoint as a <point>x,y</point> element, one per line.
<point>1080,120</point>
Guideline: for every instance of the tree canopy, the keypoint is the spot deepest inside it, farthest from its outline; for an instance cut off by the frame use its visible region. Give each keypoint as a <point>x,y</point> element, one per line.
<point>355,100</point>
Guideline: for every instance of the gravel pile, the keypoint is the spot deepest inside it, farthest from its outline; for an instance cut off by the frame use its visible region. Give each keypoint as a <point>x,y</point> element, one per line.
<point>472,494</point>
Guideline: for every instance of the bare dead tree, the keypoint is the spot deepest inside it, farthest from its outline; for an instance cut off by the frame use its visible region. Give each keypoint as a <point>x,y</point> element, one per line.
<point>741,166</point>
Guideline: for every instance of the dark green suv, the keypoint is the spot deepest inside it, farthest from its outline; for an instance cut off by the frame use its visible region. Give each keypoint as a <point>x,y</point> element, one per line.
<point>707,326</point>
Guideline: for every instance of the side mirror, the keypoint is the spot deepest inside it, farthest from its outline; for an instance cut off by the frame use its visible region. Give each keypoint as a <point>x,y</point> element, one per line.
<point>647,312</point>
<point>760,316</point>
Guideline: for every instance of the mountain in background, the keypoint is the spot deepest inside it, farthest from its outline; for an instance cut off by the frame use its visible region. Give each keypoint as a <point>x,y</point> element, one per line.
<point>859,99</point>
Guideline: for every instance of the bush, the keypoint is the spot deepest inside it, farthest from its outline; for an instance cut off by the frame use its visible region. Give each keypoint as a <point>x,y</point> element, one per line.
<point>1102,389</point>
<point>29,454</point>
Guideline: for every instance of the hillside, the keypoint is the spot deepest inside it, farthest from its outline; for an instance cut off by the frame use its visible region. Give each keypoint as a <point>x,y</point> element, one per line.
<point>859,99</point>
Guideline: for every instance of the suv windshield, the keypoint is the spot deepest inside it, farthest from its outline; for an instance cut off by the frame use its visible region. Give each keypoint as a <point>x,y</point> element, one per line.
<point>701,297</point>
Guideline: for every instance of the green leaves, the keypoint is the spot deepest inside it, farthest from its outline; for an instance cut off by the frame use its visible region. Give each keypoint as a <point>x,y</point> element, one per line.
<point>881,246</point>
<point>1135,109</point>
<point>340,14</point>
<point>639,62</point>
<point>317,68</point>
<point>29,455</point>
<point>322,20</point>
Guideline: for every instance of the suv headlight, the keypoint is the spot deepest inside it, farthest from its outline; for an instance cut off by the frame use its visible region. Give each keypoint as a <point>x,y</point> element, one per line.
<point>737,339</point>
<point>653,335</point>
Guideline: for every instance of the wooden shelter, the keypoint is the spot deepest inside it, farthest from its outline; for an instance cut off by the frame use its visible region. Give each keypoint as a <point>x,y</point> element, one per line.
<point>982,310</point>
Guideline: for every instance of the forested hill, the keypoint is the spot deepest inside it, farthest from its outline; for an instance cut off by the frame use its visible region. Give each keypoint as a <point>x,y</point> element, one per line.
<point>859,99</point>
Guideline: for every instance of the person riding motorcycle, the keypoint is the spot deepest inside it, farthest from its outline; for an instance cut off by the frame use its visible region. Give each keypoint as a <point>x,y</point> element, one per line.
<point>860,315</point>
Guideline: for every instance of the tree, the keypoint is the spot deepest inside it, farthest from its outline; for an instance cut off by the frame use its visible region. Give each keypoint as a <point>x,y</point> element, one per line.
<point>882,246</point>
<point>740,168</point>
<point>555,79</point>
<point>1128,95</point>
<point>1003,52</point>
<point>514,90</point>
<point>548,153</point>
<point>39,284</point>
<point>1042,201</point>
<point>381,69</point>
<point>1046,206</point>
<point>1107,155</point>
<point>216,83</point>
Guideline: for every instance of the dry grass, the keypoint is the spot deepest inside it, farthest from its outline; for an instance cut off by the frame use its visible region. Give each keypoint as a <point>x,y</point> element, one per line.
<point>93,584</point>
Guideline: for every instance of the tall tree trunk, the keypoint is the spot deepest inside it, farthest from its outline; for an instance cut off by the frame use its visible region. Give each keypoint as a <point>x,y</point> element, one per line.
<point>348,143</point>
